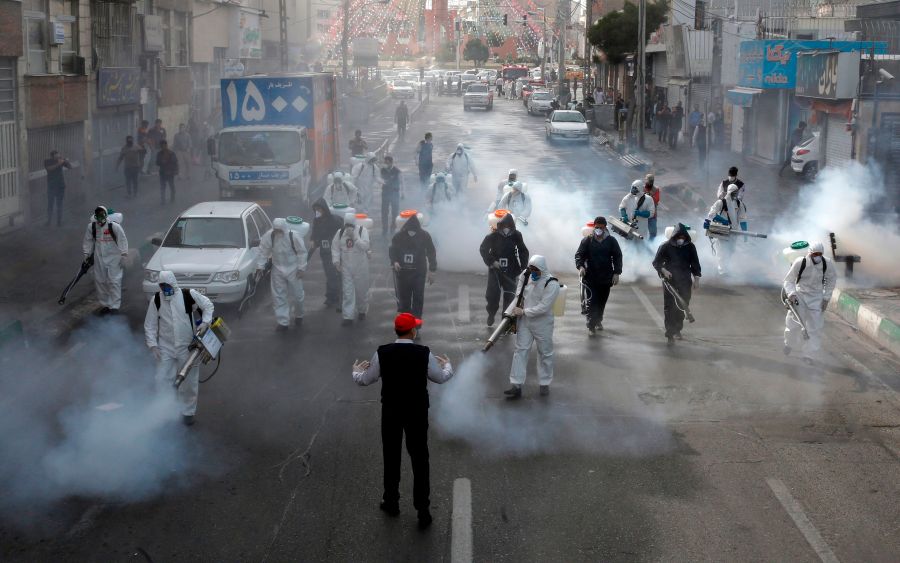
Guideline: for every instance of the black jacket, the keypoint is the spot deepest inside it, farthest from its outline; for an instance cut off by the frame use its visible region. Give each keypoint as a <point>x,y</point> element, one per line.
<point>601,259</point>
<point>404,377</point>
<point>411,252</point>
<point>510,250</point>
<point>324,227</point>
<point>682,261</point>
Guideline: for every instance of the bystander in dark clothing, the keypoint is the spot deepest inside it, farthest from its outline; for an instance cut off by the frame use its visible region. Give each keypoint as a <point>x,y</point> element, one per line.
<point>167,162</point>
<point>676,261</point>
<point>700,140</point>
<point>414,261</point>
<point>325,226</point>
<point>401,118</point>
<point>795,139</point>
<point>506,256</point>
<point>405,368</point>
<point>675,124</point>
<point>210,155</point>
<point>424,160</point>
<point>599,261</point>
<point>132,156</point>
<point>391,190</point>
<point>56,185</point>
<point>663,119</point>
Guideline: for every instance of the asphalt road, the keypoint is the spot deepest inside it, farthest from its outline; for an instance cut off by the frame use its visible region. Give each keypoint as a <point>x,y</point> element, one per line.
<point>719,449</point>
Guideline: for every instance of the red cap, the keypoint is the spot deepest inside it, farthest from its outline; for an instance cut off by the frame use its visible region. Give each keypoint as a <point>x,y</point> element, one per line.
<point>405,322</point>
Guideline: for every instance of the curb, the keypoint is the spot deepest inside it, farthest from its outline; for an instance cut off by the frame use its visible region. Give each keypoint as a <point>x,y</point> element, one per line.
<point>870,322</point>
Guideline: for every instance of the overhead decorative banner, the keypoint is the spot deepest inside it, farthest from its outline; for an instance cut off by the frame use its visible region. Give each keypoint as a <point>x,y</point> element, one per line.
<point>118,86</point>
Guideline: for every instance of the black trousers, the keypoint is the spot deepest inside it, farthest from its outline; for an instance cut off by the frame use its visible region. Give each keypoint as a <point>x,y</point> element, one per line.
<point>499,284</point>
<point>394,424</point>
<point>163,181</point>
<point>674,317</point>
<point>55,200</point>
<point>332,278</point>
<point>131,180</point>
<point>390,208</point>
<point>599,295</point>
<point>411,291</point>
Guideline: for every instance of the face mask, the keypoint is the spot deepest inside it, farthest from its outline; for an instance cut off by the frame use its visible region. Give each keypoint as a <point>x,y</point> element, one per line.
<point>816,259</point>
<point>411,233</point>
<point>167,289</point>
<point>506,231</point>
<point>459,151</point>
<point>598,232</point>
<point>101,219</point>
<point>634,191</point>
<point>318,214</point>
<point>679,242</point>
<point>535,275</point>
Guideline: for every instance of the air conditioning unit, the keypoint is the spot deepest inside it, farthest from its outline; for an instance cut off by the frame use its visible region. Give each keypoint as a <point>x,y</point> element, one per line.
<point>81,66</point>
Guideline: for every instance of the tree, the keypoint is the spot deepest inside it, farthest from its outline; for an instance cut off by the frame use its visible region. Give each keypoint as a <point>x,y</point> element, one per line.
<point>447,53</point>
<point>494,39</point>
<point>476,51</point>
<point>615,33</point>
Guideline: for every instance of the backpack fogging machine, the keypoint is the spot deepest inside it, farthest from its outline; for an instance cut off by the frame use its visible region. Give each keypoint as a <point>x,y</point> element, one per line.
<point>794,313</point>
<point>508,323</point>
<point>206,346</point>
<point>86,265</point>
<point>719,230</point>
<point>621,228</point>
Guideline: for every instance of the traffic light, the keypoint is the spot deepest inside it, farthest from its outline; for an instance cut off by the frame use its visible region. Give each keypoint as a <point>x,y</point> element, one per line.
<point>505,19</point>
<point>525,20</point>
<point>456,23</point>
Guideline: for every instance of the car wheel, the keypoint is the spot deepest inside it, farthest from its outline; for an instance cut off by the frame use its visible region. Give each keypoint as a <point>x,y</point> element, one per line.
<point>811,170</point>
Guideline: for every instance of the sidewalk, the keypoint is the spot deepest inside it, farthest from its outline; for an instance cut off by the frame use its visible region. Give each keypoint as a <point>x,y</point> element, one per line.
<point>875,312</point>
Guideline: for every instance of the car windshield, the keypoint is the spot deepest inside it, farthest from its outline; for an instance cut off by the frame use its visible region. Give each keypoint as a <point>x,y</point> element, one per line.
<point>477,88</point>
<point>568,117</point>
<point>540,96</point>
<point>259,148</point>
<point>807,142</point>
<point>206,232</point>
<point>401,84</point>
<point>468,77</point>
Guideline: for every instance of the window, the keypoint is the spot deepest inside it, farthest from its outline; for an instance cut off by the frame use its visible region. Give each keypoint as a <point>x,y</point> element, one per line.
<point>180,36</point>
<point>41,20</point>
<point>69,48</point>
<point>322,28</point>
<point>165,16</point>
<point>36,43</point>
<point>114,36</point>
<point>700,15</point>
<point>323,14</point>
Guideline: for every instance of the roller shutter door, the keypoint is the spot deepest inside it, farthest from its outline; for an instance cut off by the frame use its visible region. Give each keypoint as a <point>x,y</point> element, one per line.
<point>838,142</point>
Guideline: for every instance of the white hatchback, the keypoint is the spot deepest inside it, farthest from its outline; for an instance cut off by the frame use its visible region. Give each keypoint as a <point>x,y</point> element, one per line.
<point>213,248</point>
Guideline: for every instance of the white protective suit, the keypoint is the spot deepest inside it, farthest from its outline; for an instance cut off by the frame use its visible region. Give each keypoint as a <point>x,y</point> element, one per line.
<point>171,329</point>
<point>108,256</point>
<point>637,206</point>
<point>502,188</point>
<point>814,286</point>
<point>733,213</point>
<point>341,193</point>
<point>517,202</point>
<point>350,255</point>
<point>460,166</point>
<point>366,175</point>
<point>536,325</point>
<point>440,192</point>
<point>288,254</point>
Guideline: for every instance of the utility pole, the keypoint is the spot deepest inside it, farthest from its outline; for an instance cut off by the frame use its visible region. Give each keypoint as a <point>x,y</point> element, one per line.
<point>344,32</point>
<point>458,30</point>
<point>563,18</point>
<point>641,77</point>
<point>588,22</point>
<point>282,34</point>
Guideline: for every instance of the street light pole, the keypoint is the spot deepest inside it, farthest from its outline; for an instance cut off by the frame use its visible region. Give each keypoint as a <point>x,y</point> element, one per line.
<point>344,32</point>
<point>588,21</point>
<point>563,16</point>
<point>641,101</point>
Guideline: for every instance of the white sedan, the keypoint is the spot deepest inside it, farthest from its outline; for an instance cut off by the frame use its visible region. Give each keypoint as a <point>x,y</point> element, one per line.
<point>212,247</point>
<point>567,125</point>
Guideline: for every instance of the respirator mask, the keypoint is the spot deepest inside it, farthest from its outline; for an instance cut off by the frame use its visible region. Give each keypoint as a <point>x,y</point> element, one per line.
<point>167,290</point>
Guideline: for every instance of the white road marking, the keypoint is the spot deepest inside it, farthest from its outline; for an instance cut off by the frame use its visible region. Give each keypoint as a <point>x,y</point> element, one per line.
<point>464,315</point>
<point>795,511</point>
<point>654,314</point>
<point>461,522</point>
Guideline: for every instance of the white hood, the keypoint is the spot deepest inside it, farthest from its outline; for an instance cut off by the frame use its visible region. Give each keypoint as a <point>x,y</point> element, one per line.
<point>166,276</point>
<point>540,263</point>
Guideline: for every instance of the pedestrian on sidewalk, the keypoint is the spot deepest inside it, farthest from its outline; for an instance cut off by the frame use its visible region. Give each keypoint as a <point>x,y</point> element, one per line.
<point>167,161</point>
<point>105,241</point>
<point>700,140</point>
<point>358,145</point>
<point>599,263</point>
<point>405,368</point>
<point>424,160</point>
<point>401,118</point>
<point>182,146</point>
<point>663,120</point>
<point>391,193</point>
<point>677,263</point>
<point>675,124</point>
<point>133,157</point>
<point>325,226</point>
<point>795,139</point>
<point>56,185</point>
<point>414,261</point>
<point>155,136</point>
<point>143,141</point>
<point>210,155</point>
<point>693,121</point>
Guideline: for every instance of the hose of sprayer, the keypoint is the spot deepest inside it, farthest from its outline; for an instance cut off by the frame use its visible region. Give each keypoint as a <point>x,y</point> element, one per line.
<point>218,365</point>
<point>675,297</point>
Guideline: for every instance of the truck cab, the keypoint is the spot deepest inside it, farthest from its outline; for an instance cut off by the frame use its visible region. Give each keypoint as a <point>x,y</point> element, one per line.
<point>262,158</point>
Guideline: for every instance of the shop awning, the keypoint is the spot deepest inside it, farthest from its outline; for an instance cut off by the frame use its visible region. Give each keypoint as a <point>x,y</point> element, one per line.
<point>741,96</point>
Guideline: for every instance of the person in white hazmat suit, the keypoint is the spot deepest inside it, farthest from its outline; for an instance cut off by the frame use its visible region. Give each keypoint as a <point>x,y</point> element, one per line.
<point>106,241</point>
<point>637,205</point>
<point>808,285</point>
<point>168,330</point>
<point>460,165</point>
<point>731,212</point>
<point>439,193</point>
<point>350,255</point>
<point>340,191</point>
<point>534,325</point>
<point>366,175</point>
<point>287,251</point>
<point>503,187</point>
<point>517,202</point>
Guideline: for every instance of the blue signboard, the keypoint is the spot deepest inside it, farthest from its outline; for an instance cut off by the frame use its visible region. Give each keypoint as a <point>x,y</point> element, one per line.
<point>118,86</point>
<point>286,100</point>
<point>257,175</point>
<point>772,64</point>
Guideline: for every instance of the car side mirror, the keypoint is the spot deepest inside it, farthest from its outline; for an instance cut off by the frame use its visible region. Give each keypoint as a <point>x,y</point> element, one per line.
<point>547,120</point>
<point>156,241</point>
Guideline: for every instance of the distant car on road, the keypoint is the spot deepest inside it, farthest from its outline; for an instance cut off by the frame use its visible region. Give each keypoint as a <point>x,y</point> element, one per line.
<point>213,248</point>
<point>567,125</point>
<point>402,89</point>
<point>478,96</point>
<point>805,157</point>
<point>539,102</point>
